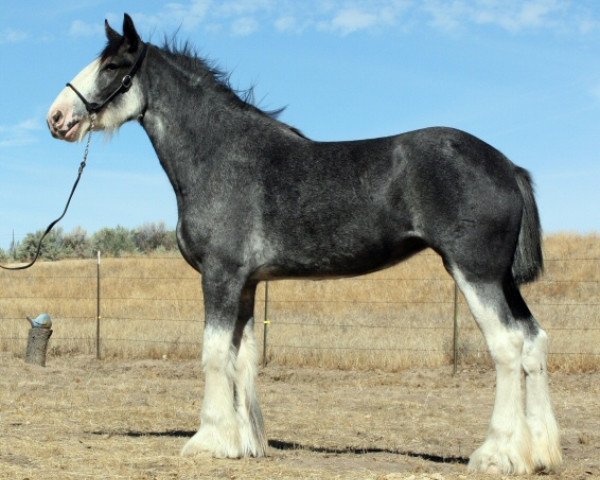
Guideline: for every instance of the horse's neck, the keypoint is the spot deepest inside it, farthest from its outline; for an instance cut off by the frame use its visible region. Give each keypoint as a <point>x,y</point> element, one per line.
<point>186,119</point>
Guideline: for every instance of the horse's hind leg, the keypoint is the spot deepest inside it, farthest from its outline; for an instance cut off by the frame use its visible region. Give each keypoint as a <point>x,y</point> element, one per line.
<point>507,448</point>
<point>540,416</point>
<point>538,407</point>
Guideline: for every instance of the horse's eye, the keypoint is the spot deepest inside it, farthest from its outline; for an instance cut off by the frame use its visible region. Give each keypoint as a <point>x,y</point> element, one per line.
<point>111,66</point>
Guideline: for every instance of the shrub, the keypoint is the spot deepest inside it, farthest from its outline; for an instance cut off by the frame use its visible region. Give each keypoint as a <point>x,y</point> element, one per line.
<point>76,244</point>
<point>154,236</point>
<point>51,249</point>
<point>114,242</point>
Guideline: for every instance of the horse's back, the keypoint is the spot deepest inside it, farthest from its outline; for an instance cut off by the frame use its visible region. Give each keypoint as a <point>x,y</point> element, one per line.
<point>352,207</point>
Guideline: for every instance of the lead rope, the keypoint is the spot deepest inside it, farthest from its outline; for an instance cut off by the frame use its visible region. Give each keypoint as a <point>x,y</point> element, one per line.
<point>52,224</point>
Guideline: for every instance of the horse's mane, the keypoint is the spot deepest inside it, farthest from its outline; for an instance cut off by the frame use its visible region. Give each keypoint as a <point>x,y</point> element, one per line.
<point>188,58</point>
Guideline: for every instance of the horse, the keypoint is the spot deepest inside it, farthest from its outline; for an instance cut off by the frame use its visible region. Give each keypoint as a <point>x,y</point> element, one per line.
<point>258,200</point>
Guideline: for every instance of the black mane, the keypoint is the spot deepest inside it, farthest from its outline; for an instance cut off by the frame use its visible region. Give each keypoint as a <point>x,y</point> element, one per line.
<point>187,55</point>
<point>188,58</point>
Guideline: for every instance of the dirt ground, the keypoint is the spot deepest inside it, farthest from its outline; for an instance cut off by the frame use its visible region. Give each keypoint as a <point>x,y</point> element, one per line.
<point>82,418</point>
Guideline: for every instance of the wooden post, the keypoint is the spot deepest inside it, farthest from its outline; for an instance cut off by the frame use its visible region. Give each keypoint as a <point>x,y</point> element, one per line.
<point>455,339</point>
<point>37,345</point>
<point>265,324</point>
<point>98,307</point>
<point>37,341</point>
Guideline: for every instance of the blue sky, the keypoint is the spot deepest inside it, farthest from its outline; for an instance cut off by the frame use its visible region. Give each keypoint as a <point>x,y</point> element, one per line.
<point>522,75</point>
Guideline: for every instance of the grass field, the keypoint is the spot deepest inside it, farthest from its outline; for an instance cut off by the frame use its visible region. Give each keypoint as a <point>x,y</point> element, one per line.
<point>391,320</point>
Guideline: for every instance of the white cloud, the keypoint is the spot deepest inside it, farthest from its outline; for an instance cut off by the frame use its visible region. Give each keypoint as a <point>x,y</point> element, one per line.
<point>587,23</point>
<point>191,16</point>
<point>188,16</point>
<point>346,17</point>
<point>595,92</point>
<point>353,17</point>
<point>243,7</point>
<point>79,28</point>
<point>20,134</point>
<point>287,23</point>
<point>9,35</point>
<point>446,16</point>
<point>351,20</point>
<point>244,26</point>
<point>510,15</point>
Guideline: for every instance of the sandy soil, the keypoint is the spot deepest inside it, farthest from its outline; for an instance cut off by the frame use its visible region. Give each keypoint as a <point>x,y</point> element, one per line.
<point>81,418</point>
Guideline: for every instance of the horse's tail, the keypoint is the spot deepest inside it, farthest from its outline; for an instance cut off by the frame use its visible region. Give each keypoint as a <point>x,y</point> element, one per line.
<point>528,261</point>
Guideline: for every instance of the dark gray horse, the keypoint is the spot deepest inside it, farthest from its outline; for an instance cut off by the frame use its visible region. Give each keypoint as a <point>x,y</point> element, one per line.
<point>258,200</point>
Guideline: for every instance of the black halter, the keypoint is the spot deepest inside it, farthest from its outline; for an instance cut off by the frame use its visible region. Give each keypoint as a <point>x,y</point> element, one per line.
<point>126,82</point>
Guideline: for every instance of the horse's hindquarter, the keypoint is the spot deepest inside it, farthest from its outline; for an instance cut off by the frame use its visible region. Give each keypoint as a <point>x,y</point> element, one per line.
<point>455,182</point>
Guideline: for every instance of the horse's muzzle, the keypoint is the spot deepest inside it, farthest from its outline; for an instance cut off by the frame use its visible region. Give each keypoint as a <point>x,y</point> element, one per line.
<point>64,128</point>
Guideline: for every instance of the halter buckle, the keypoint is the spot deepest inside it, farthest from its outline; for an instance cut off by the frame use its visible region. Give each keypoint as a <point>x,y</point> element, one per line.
<point>126,82</point>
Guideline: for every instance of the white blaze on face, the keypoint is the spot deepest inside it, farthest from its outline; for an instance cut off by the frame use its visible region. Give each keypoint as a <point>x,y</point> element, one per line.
<point>67,117</point>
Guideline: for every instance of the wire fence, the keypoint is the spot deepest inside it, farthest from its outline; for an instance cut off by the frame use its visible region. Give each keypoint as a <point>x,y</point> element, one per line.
<point>402,317</point>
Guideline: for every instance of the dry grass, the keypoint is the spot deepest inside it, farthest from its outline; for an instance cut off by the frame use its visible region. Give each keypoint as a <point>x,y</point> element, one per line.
<point>391,320</point>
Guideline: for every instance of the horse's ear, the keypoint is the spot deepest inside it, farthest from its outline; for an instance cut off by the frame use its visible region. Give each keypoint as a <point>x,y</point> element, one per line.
<point>130,33</point>
<point>111,34</point>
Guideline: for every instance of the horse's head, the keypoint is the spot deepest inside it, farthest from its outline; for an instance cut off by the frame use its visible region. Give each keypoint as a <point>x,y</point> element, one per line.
<point>107,88</point>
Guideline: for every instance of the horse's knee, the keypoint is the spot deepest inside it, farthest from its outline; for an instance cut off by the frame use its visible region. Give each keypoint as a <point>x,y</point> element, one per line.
<point>535,353</point>
<point>506,347</point>
<point>216,349</point>
<point>247,356</point>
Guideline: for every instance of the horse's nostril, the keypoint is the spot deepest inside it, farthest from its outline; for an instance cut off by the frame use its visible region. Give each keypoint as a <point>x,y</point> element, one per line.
<point>57,116</point>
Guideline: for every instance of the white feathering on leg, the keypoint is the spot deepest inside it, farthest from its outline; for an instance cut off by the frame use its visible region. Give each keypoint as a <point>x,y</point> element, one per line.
<point>218,434</point>
<point>252,434</point>
<point>540,416</point>
<point>507,448</point>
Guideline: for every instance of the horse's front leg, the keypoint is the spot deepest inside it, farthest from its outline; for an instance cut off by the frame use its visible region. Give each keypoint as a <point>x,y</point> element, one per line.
<point>250,420</point>
<point>230,420</point>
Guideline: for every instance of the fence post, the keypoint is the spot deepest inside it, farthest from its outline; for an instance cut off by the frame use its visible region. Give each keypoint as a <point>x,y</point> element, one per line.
<point>265,324</point>
<point>455,335</point>
<point>98,307</point>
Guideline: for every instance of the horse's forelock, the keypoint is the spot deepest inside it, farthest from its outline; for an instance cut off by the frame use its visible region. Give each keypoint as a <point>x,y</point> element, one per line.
<point>111,48</point>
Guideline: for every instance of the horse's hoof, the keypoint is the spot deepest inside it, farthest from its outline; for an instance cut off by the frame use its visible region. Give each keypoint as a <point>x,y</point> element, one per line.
<point>200,445</point>
<point>493,458</point>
